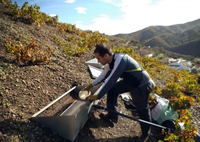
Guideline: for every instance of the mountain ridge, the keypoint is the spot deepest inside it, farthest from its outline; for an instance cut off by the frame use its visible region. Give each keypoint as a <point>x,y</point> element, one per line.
<point>168,37</point>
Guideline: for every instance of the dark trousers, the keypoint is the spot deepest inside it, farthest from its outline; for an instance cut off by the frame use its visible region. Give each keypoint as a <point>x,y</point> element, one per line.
<point>140,98</point>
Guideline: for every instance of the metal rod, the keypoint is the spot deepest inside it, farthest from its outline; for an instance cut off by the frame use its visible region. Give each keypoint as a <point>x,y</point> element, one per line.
<point>53,102</point>
<point>140,120</point>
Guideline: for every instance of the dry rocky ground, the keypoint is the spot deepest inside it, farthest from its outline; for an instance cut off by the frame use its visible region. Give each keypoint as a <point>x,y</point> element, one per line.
<point>25,89</point>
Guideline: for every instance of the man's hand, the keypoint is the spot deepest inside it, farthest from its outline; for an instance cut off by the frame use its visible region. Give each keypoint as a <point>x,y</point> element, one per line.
<point>88,88</point>
<point>85,92</point>
<point>92,98</point>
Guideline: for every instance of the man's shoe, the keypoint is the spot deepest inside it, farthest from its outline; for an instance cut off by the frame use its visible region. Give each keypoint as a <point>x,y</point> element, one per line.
<point>107,117</point>
<point>143,138</point>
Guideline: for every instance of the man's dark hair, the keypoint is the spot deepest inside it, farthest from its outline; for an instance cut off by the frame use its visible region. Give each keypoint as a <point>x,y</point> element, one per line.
<point>103,49</point>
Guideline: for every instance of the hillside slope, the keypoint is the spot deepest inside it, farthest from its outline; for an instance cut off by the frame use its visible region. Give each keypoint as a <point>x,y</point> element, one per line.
<point>25,89</point>
<point>191,48</point>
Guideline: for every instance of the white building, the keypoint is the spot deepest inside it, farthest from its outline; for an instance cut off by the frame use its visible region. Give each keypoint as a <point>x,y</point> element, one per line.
<point>171,60</point>
<point>197,67</point>
<point>180,64</point>
<point>149,55</point>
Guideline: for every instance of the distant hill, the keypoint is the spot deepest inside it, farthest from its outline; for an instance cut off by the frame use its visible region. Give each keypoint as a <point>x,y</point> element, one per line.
<point>191,48</point>
<point>173,38</point>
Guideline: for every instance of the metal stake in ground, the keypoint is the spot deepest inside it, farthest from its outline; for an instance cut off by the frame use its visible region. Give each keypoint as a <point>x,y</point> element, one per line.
<point>132,118</point>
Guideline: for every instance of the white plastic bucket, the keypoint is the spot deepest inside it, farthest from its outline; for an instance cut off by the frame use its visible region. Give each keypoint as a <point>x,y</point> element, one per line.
<point>163,111</point>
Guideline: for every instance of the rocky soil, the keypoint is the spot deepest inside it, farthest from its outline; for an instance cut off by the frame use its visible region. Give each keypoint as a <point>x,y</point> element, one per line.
<point>25,89</point>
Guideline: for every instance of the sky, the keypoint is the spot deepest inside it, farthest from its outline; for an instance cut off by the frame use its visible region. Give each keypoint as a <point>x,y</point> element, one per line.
<point>113,17</point>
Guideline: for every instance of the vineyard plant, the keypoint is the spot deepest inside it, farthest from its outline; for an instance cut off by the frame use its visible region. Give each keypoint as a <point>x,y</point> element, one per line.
<point>181,87</point>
